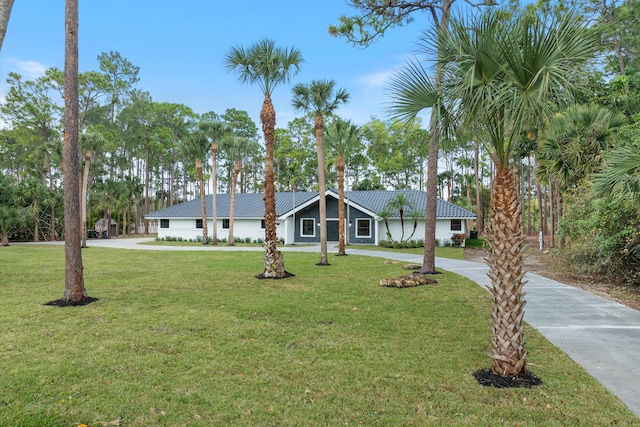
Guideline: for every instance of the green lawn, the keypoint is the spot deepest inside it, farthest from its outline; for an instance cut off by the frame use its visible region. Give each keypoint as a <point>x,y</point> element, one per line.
<point>192,339</point>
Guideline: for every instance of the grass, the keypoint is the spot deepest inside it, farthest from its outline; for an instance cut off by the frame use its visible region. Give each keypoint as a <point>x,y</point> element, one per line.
<point>441,251</point>
<point>192,339</point>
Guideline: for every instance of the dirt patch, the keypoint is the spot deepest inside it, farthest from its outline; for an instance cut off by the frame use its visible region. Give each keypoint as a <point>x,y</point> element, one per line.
<point>541,263</point>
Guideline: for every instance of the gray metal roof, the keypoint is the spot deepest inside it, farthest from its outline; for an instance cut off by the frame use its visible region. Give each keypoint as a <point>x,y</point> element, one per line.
<point>251,205</point>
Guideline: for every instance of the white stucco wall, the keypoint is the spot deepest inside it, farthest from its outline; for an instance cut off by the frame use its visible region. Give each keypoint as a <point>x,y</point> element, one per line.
<point>242,228</point>
<point>443,230</point>
<point>185,229</point>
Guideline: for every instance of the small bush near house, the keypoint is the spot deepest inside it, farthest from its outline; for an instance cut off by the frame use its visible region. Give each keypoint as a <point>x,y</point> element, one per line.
<point>458,239</point>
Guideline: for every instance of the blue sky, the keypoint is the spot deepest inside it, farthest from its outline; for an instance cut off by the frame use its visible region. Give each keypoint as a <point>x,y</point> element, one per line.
<point>180,50</point>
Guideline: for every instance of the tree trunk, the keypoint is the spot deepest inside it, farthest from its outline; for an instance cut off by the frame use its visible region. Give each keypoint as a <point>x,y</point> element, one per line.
<point>479,208</point>
<point>214,184</point>
<point>552,215</point>
<point>341,229</point>
<point>319,125</point>
<point>146,190</point>
<point>74,291</point>
<point>506,240</point>
<point>203,203</point>
<point>5,13</point>
<point>429,259</point>
<point>83,199</point>
<point>273,260</point>
<point>541,213</point>
<point>232,203</point>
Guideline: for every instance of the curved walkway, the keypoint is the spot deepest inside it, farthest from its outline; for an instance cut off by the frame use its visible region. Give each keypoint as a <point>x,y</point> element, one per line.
<point>600,335</point>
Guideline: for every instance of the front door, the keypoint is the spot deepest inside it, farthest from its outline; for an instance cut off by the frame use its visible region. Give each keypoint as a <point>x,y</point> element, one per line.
<point>333,232</point>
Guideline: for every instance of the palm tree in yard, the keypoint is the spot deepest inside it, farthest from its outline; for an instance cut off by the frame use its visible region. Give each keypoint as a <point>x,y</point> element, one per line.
<point>195,147</point>
<point>342,139</point>
<point>399,203</point>
<point>11,219</point>
<point>214,130</point>
<point>236,148</point>
<point>268,66</point>
<point>507,76</point>
<point>90,142</point>
<point>322,98</point>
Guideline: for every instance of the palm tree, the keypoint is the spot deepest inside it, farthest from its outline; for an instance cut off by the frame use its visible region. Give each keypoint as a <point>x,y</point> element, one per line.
<point>268,66</point>
<point>11,218</point>
<point>90,142</point>
<point>29,194</point>
<point>321,98</point>
<point>572,145</point>
<point>236,148</point>
<point>342,137</point>
<point>621,173</point>
<point>399,203</point>
<point>215,130</point>
<point>196,147</point>
<point>507,76</point>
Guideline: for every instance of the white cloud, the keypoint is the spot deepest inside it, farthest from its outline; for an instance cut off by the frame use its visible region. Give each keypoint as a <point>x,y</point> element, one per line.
<point>30,70</point>
<point>379,79</point>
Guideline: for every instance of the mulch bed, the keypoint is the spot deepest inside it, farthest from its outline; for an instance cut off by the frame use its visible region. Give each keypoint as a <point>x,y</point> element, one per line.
<point>62,303</point>
<point>286,275</point>
<point>487,378</point>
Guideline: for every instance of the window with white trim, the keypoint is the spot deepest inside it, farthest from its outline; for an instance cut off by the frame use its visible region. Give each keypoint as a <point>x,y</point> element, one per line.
<point>308,227</point>
<point>363,227</point>
<point>199,223</point>
<point>225,223</point>
<point>456,225</point>
<point>164,223</point>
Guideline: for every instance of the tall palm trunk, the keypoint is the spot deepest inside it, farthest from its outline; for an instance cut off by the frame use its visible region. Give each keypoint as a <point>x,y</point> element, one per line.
<point>506,239</point>
<point>232,203</point>
<point>214,184</point>
<point>273,260</point>
<point>340,164</point>
<point>319,125</point>
<point>203,203</point>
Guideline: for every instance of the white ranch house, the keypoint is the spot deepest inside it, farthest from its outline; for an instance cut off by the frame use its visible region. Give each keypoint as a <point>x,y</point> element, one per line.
<point>298,217</point>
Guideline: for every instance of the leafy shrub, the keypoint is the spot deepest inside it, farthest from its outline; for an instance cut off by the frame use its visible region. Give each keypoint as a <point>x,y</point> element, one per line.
<point>458,239</point>
<point>600,236</point>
